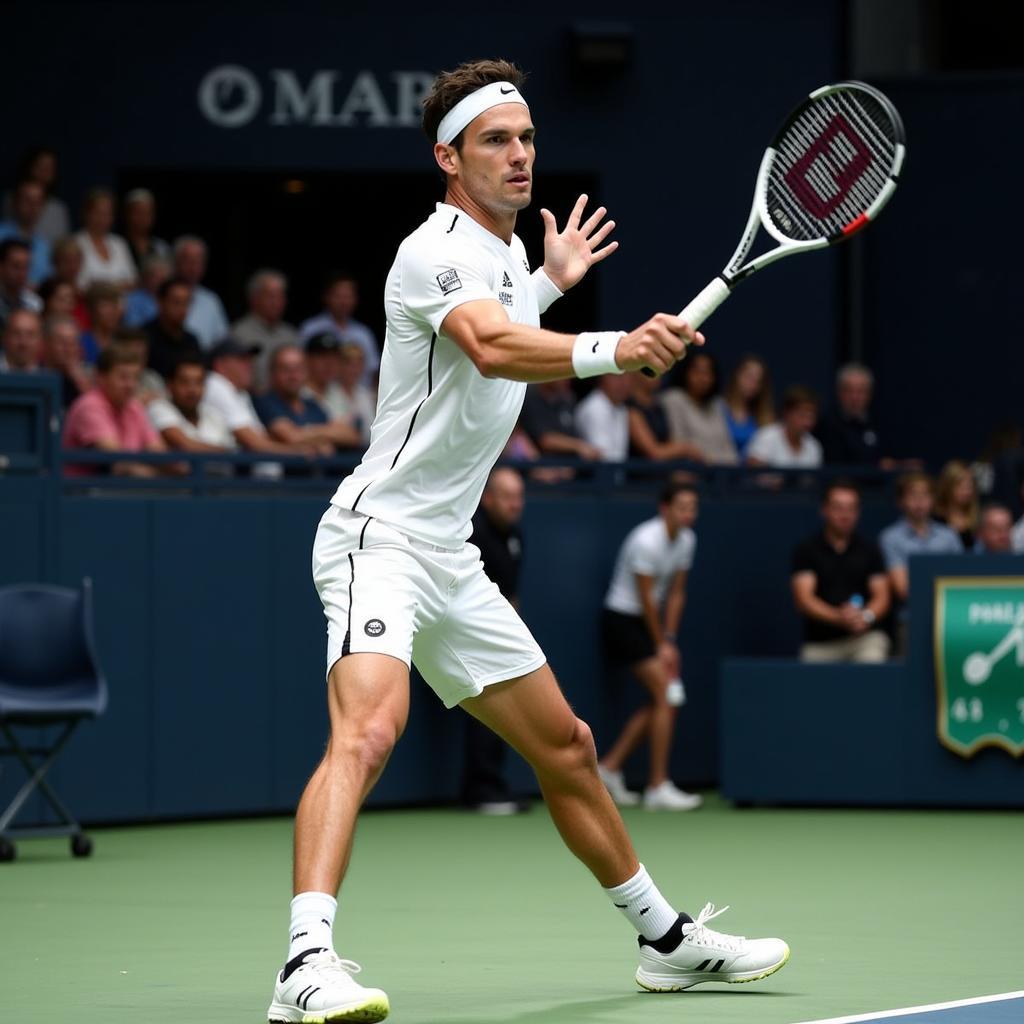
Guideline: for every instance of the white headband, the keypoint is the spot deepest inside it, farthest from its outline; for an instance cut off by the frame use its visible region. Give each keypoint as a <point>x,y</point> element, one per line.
<point>472,106</point>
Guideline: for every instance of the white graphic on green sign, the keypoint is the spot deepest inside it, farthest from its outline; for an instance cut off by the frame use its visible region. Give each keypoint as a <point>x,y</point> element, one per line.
<point>979,662</point>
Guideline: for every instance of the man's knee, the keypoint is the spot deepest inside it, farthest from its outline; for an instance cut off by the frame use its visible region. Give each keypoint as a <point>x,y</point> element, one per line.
<point>575,751</point>
<point>366,745</point>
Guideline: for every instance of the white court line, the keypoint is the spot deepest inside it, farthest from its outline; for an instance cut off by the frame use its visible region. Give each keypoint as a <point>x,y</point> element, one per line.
<point>908,1010</point>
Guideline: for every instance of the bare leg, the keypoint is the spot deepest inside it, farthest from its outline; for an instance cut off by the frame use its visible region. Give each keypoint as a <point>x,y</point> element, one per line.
<point>663,717</point>
<point>532,715</point>
<point>368,700</point>
<point>633,732</point>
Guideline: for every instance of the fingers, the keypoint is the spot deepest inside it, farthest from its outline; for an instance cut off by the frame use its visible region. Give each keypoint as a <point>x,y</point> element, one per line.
<point>577,211</point>
<point>593,220</point>
<point>659,344</point>
<point>550,225</point>
<point>680,327</point>
<point>601,235</point>
<point>604,253</point>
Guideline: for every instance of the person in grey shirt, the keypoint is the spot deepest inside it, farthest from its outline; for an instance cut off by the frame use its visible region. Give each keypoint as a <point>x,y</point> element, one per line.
<point>264,325</point>
<point>341,299</point>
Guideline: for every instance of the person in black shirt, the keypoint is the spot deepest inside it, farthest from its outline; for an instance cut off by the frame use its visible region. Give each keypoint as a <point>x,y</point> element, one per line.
<point>168,338</point>
<point>496,533</point>
<point>840,585</point>
<point>847,433</point>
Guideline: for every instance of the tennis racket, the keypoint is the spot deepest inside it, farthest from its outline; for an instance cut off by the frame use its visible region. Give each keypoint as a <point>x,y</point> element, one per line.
<point>827,173</point>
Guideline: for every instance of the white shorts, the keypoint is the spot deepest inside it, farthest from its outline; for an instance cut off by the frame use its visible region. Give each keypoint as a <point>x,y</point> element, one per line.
<point>386,593</point>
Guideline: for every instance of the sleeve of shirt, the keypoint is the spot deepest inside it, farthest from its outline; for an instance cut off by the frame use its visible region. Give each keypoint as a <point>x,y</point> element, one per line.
<point>760,446</point>
<point>876,564</point>
<point>435,283</point>
<point>803,558</point>
<point>162,414</point>
<point>689,552</point>
<point>640,557</point>
<point>89,426</point>
<point>892,551</point>
<point>269,409</point>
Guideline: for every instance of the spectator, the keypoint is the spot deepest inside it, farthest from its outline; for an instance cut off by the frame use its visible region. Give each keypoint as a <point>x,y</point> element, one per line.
<point>995,530</point>
<point>168,337</point>
<point>26,210</point>
<point>748,401</point>
<point>227,392</point>
<point>264,324</point>
<point>602,419</point>
<point>138,210</point>
<point>151,384</point>
<point>105,256</point>
<point>141,304</point>
<point>788,444</point>
<point>642,612</point>
<point>839,585</point>
<point>916,533</point>
<point>359,402</point>
<point>185,421</point>
<point>62,353</point>
<point>111,418</point>
<point>1017,534</point>
<point>67,267</point>
<point>847,435</point>
<point>648,424</point>
<point>292,419</point>
<point>14,291</point>
<point>59,298</point>
<point>206,317</point>
<point>956,501</point>
<point>334,374</point>
<point>341,299</point>
<point>696,412</point>
<point>22,342</point>
<point>496,533</point>
<point>40,164</point>
<point>106,308</point>
<point>548,419</point>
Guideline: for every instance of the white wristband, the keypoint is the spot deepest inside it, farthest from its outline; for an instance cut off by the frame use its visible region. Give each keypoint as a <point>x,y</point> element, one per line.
<point>593,353</point>
<point>546,289</point>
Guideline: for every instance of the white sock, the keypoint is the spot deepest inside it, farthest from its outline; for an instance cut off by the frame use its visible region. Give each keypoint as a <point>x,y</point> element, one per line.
<point>647,910</point>
<point>312,923</point>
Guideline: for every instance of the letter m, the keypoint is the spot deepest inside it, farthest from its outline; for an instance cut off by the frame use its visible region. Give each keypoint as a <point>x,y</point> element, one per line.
<point>293,106</point>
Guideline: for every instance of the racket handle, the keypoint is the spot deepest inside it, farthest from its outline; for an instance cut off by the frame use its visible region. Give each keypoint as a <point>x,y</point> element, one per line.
<point>715,292</point>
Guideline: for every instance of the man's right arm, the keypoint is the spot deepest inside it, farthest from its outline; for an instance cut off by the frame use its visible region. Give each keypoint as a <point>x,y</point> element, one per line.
<point>809,604</point>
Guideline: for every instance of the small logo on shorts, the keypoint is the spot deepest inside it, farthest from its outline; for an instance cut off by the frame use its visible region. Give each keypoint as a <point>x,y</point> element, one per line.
<point>374,627</point>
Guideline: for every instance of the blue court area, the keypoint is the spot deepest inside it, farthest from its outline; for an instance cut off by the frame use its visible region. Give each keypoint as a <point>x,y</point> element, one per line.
<point>1006,1008</point>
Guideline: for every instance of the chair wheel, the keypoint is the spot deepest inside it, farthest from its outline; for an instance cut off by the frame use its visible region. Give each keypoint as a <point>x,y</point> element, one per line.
<point>8,851</point>
<point>81,845</point>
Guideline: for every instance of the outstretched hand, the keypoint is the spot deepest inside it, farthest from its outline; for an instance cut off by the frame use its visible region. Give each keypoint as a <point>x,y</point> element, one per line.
<point>569,254</point>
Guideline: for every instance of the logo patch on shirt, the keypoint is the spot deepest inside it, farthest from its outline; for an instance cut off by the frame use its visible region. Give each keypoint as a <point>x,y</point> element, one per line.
<point>506,281</point>
<point>505,298</point>
<point>449,281</point>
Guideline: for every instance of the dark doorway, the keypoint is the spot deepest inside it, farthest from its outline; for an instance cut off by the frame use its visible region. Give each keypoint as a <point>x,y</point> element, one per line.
<point>309,224</point>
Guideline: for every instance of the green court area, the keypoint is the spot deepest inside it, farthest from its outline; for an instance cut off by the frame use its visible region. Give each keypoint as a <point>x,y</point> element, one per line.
<point>468,919</point>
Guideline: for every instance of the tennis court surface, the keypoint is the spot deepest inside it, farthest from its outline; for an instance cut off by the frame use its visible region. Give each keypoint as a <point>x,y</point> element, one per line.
<point>468,919</point>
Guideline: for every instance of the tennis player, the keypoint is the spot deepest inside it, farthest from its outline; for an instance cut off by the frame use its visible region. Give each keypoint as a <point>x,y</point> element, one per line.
<point>398,581</point>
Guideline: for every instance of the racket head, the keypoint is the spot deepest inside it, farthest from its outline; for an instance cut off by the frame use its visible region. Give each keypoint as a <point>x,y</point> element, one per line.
<point>832,166</point>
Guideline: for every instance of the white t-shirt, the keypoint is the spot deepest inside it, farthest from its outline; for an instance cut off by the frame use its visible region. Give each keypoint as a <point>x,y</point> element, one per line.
<point>1017,537</point>
<point>604,425</point>
<point>440,425</point>
<point>234,406</point>
<point>119,269</point>
<point>769,445</point>
<point>648,551</point>
<point>211,428</point>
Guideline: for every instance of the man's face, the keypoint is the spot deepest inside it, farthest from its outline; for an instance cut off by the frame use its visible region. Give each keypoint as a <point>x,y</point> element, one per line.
<point>994,530</point>
<point>503,498</point>
<point>29,200</point>
<point>289,373</point>
<point>190,262</point>
<point>841,511</point>
<point>269,300</point>
<point>351,366</point>
<point>855,394</point>
<point>186,388</point>
<point>237,369</point>
<point>107,313</point>
<point>63,348</point>
<point>14,270</point>
<point>341,299</point>
<point>174,306</point>
<point>681,511</point>
<point>23,340</point>
<point>495,166</point>
<point>120,383</point>
<point>154,275</point>
<point>917,502</point>
<point>67,263</point>
<point>801,418</point>
<point>323,367</point>
<point>139,216</point>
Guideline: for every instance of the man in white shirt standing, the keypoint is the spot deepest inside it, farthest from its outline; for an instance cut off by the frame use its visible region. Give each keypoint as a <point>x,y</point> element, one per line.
<point>602,418</point>
<point>398,581</point>
<point>789,444</point>
<point>642,612</point>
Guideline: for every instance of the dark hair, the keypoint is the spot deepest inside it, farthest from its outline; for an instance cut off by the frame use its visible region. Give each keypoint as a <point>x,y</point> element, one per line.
<point>337,277</point>
<point>798,395</point>
<point>839,483</point>
<point>128,334</point>
<point>30,156</point>
<point>116,355</point>
<point>452,86</point>
<point>689,362</point>
<point>172,282</point>
<point>908,480</point>
<point>188,359</point>
<point>8,245</point>
<point>49,286</point>
<point>102,291</point>
<point>673,489</point>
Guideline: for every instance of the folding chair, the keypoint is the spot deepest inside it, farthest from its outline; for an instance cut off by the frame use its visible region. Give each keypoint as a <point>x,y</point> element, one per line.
<point>48,677</point>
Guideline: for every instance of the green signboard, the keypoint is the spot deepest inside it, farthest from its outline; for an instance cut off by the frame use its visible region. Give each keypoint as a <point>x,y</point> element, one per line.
<point>979,662</point>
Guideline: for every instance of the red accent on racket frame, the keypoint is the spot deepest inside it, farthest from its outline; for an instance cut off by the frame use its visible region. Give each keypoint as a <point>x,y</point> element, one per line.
<point>855,225</point>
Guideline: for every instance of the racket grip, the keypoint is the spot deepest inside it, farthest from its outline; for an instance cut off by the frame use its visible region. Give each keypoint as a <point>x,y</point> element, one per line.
<point>714,293</point>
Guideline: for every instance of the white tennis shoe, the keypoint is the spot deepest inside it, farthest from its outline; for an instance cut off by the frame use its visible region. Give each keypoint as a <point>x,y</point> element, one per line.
<point>317,986</point>
<point>666,796</point>
<point>704,955</point>
<point>616,785</point>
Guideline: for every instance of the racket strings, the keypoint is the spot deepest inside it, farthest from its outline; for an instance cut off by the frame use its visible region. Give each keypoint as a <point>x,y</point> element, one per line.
<point>833,160</point>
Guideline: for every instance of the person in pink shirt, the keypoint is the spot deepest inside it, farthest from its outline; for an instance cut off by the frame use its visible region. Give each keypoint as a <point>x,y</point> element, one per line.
<point>111,418</point>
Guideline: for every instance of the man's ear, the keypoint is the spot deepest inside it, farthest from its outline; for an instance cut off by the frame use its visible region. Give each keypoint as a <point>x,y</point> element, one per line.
<point>447,158</point>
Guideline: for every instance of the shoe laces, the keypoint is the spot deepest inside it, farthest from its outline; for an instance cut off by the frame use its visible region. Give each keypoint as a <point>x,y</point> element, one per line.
<point>698,934</point>
<point>327,961</point>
